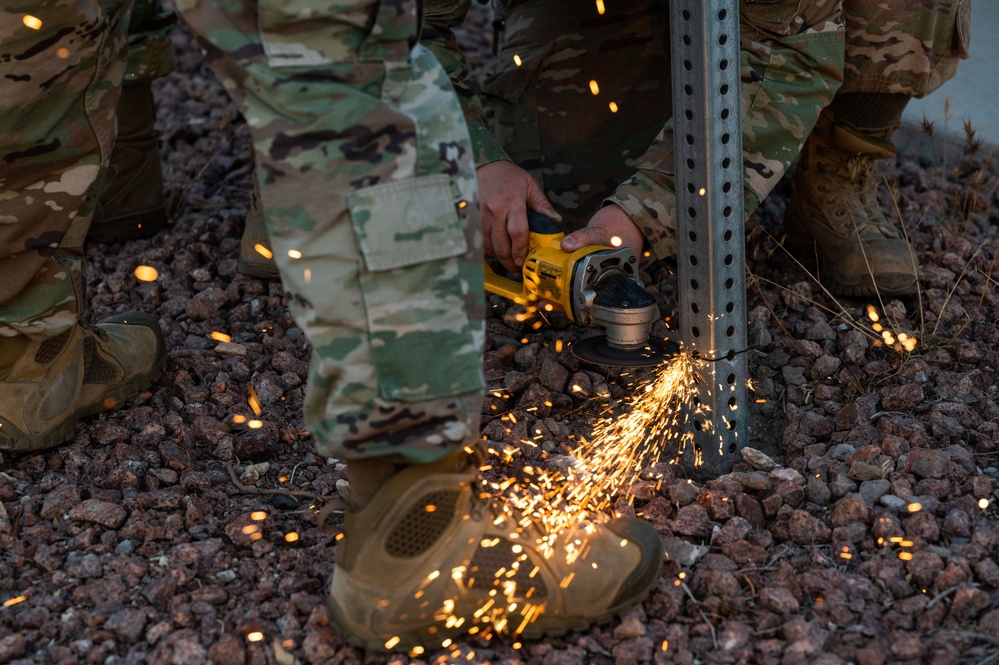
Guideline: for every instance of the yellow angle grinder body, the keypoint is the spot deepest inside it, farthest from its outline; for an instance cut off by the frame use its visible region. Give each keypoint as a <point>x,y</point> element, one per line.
<point>596,286</point>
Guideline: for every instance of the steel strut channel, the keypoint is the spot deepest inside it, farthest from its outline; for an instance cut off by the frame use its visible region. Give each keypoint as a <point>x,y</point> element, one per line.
<point>711,245</point>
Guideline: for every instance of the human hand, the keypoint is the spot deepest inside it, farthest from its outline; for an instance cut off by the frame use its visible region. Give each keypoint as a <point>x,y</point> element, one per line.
<point>506,191</point>
<point>610,227</point>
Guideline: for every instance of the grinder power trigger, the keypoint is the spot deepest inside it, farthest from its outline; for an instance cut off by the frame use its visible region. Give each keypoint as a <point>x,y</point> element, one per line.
<point>596,286</point>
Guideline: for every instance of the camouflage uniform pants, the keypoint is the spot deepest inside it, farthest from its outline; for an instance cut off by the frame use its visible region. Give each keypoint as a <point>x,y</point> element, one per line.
<point>61,85</point>
<point>61,64</point>
<point>587,92</point>
<point>365,173</point>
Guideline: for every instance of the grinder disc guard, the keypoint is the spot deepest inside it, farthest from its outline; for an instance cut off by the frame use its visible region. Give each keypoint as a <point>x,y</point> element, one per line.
<point>596,350</point>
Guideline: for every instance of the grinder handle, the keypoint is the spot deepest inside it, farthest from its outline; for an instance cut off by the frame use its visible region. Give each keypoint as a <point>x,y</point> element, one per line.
<point>539,224</point>
<point>542,224</point>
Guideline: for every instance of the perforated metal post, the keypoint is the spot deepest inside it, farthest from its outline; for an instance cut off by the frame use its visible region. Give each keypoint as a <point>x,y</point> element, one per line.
<point>710,225</point>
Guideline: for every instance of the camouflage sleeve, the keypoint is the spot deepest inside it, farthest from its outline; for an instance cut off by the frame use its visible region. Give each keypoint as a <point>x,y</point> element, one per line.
<point>791,56</point>
<point>439,17</point>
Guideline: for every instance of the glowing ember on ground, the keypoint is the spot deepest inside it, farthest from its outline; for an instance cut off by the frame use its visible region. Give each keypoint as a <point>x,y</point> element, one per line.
<point>146,274</point>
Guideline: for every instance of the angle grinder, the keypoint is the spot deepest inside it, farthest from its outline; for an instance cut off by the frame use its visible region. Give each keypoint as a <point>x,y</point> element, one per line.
<point>596,286</point>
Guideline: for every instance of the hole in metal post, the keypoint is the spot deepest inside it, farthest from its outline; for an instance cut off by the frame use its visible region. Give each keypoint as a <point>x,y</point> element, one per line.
<point>692,212</point>
<point>692,236</point>
<point>694,284</point>
<point>728,259</point>
<point>729,283</point>
<point>693,260</point>
<point>728,235</point>
<point>695,331</point>
<point>730,331</point>
<point>731,379</point>
<point>695,308</point>
<point>730,307</point>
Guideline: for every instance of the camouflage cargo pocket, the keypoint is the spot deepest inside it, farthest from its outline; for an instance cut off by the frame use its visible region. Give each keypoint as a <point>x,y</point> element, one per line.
<point>423,344</point>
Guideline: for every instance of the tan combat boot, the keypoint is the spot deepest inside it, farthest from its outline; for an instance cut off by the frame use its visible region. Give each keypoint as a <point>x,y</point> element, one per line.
<point>431,557</point>
<point>131,204</point>
<point>834,215</point>
<point>256,258</point>
<point>47,386</point>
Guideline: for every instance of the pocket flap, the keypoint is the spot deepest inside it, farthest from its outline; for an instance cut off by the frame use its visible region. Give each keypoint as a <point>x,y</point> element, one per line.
<point>407,222</point>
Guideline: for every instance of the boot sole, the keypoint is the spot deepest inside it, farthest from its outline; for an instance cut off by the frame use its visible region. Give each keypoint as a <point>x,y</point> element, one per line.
<point>846,284</point>
<point>553,625</point>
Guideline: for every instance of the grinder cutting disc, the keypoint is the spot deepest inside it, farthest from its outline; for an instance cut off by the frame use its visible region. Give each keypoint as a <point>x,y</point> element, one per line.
<point>596,350</point>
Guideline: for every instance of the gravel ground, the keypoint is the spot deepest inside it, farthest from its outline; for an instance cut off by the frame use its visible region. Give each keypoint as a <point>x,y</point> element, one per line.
<point>864,531</point>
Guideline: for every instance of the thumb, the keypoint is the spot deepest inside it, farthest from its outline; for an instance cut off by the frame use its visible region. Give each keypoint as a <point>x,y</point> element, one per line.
<point>578,239</point>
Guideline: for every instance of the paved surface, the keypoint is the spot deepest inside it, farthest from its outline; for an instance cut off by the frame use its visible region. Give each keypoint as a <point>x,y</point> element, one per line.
<point>973,93</point>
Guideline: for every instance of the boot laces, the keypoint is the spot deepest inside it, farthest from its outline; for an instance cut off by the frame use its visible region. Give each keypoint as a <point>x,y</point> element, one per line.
<point>858,195</point>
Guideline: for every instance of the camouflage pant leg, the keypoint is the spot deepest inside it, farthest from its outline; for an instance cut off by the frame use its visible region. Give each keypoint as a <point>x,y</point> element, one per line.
<point>363,161</point>
<point>791,55</point>
<point>904,46</point>
<point>150,54</point>
<point>61,69</point>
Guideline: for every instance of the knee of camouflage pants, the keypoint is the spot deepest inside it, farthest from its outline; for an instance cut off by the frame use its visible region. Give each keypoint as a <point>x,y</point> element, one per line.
<point>912,52</point>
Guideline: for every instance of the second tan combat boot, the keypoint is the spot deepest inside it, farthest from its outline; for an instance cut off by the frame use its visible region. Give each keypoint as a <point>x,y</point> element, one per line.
<point>431,557</point>
<point>256,258</point>
<point>47,386</point>
<point>834,215</point>
<point>131,204</point>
